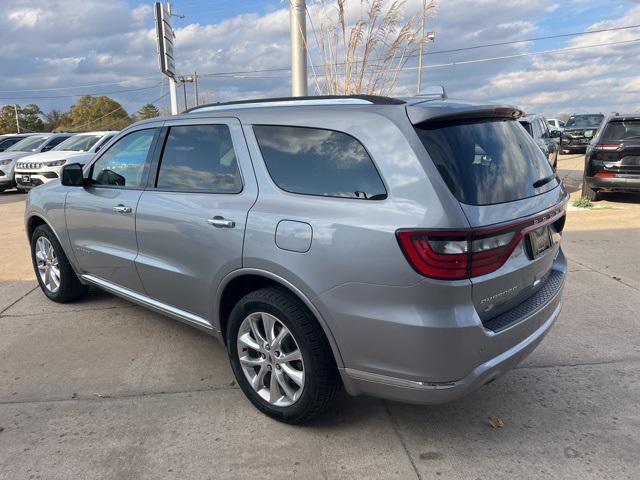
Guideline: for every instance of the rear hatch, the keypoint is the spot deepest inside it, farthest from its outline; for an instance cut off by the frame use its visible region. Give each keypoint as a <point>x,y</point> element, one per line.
<point>617,152</point>
<point>514,202</point>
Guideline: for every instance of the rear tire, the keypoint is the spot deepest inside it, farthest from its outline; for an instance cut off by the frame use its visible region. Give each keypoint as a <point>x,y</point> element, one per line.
<point>53,271</point>
<point>588,192</point>
<point>295,334</point>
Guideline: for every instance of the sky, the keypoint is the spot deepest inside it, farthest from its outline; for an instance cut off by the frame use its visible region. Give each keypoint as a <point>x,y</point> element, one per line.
<point>55,50</point>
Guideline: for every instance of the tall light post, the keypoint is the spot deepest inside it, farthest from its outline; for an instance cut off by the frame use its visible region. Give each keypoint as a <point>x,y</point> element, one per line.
<point>298,26</point>
<point>429,36</point>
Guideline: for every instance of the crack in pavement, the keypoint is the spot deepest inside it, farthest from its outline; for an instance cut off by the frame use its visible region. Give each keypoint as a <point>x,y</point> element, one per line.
<point>610,277</point>
<point>396,430</point>
<point>101,397</point>
<point>17,300</point>
<point>91,309</point>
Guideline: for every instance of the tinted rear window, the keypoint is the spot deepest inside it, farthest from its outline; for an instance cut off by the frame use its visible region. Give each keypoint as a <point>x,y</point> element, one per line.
<point>585,120</point>
<point>319,162</point>
<point>487,161</point>
<point>617,131</point>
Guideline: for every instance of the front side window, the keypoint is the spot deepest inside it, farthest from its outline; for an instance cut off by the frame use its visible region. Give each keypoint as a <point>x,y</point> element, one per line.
<point>199,158</point>
<point>125,163</point>
<point>319,162</point>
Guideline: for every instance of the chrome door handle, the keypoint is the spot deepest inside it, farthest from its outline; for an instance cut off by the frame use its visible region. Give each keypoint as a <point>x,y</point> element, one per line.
<point>122,209</point>
<point>221,222</point>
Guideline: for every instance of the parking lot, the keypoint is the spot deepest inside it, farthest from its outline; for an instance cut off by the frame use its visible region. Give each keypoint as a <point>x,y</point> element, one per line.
<point>106,389</point>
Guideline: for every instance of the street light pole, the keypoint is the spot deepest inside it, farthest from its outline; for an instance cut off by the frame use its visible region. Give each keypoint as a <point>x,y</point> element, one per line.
<point>298,26</point>
<point>431,36</point>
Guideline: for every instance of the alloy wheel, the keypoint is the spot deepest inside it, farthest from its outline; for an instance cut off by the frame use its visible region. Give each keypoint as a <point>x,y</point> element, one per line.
<point>271,359</point>
<point>47,263</point>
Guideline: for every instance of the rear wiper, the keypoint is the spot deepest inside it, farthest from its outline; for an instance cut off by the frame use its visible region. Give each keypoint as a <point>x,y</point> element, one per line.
<point>544,181</point>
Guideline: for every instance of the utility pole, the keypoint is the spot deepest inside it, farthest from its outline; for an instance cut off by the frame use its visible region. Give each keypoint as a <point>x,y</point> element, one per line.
<point>173,94</point>
<point>15,109</point>
<point>431,36</point>
<point>195,89</point>
<point>298,26</point>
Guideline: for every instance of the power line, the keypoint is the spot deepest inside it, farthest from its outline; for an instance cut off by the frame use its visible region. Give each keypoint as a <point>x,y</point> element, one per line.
<point>74,86</point>
<point>433,52</point>
<point>81,94</point>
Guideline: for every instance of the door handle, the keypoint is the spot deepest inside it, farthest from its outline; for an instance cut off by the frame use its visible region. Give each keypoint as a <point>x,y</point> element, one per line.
<point>221,222</point>
<point>122,209</point>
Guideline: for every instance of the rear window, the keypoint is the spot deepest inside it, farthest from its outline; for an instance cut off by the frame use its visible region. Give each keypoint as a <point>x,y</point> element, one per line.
<point>487,161</point>
<point>618,131</point>
<point>585,120</point>
<point>314,161</point>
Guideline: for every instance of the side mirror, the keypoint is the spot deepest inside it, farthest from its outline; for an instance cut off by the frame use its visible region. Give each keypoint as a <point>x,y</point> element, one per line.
<point>555,133</point>
<point>72,175</point>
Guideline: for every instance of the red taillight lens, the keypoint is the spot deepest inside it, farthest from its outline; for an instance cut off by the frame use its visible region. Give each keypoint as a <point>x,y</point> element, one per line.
<point>608,146</point>
<point>457,255</point>
<point>437,255</point>
<point>605,174</point>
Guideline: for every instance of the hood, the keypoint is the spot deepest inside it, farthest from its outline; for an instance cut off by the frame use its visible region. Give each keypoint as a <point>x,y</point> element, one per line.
<point>581,129</point>
<point>14,155</point>
<point>53,155</point>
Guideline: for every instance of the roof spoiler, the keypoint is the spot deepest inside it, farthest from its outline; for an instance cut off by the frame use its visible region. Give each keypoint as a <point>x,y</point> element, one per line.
<point>433,92</point>
<point>451,111</point>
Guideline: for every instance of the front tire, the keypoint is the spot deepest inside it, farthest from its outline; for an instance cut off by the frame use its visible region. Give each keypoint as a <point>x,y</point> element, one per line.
<point>53,271</point>
<point>280,356</point>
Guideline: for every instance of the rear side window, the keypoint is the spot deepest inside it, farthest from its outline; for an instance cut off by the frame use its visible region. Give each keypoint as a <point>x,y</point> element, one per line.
<point>199,158</point>
<point>619,131</point>
<point>314,161</point>
<point>487,161</point>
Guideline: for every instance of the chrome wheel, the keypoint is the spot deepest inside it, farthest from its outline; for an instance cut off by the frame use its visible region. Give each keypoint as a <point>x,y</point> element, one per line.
<point>270,359</point>
<point>47,263</point>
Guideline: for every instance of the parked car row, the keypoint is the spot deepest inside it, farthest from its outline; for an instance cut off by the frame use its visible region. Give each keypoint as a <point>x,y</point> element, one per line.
<point>32,159</point>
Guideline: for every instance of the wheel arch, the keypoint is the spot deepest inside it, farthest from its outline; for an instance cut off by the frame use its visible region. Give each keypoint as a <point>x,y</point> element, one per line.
<point>243,281</point>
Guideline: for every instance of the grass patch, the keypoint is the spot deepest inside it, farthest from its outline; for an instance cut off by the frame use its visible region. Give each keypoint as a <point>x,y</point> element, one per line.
<point>583,202</point>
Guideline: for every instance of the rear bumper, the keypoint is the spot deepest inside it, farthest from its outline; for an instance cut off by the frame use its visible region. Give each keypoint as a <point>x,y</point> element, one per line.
<point>445,355</point>
<point>621,184</point>
<point>357,382</point>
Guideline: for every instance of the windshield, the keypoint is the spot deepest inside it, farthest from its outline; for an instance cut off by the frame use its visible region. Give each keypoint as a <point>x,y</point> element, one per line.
<point>488,161</point>
<point>585,120</point>
<point>619,131</point>
<point>78,143</point>
<point>29,144</point>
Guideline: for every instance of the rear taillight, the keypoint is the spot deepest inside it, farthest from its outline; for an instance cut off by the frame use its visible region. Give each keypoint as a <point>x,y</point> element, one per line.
<point>605,174</point>
<point>607,146</point>
<point>456,255</point>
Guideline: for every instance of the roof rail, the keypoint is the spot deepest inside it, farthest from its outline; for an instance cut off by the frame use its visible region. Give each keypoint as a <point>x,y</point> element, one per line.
<point>295,101</point>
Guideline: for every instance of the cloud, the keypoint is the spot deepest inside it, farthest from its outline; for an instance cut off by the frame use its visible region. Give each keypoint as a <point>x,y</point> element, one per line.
<point>87,42</point>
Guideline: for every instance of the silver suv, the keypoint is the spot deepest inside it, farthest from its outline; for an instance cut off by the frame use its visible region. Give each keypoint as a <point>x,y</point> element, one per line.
<point>407,249</point>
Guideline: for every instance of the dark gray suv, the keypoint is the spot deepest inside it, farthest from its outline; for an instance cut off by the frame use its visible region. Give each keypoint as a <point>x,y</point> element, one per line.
<point>404,248</point>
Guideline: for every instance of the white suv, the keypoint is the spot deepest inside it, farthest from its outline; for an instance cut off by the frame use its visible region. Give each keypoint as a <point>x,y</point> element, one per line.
<point>43,167</point>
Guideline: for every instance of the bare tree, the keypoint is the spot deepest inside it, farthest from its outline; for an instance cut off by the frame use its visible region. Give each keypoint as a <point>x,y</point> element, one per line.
<point>363,44</point>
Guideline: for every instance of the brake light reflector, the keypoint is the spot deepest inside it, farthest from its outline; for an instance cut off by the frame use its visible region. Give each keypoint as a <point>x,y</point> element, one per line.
<point>456,255</point>
<point>605,174</point>
<point>608,146</point>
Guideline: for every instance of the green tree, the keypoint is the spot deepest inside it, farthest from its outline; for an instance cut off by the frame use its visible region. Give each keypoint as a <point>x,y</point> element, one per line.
<point>147,111</point>
<point>98,113</point>
<point>28,117</point>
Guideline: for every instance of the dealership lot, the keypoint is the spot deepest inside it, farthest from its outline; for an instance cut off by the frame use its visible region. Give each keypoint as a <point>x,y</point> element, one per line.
<point>105,389</point>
